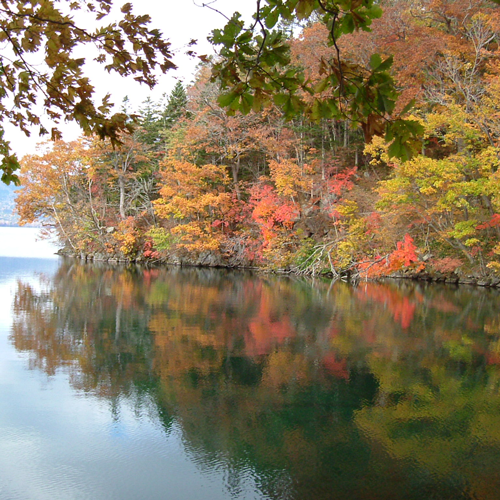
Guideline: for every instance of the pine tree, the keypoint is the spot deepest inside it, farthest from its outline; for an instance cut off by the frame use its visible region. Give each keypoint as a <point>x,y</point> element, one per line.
<point>176,106</point>
<point>151,122</point>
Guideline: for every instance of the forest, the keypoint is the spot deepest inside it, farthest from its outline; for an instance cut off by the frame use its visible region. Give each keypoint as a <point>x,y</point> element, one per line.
<point>210,180</point>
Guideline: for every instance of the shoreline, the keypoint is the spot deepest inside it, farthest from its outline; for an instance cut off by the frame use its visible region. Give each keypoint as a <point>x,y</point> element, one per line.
<point>485,281</point>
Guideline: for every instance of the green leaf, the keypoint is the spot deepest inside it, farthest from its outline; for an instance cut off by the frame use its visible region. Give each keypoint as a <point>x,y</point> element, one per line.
<point>9,165</point>
<point>288,108</point>
<point>375,11</point>
<point>257,101</point>
<point>385,104</point>
<point>246,102</point>
<point>375,61</point>
<point>402,133</point>
<point>225,100</point>
<point>347,25</point>
<point>233,27</point>
<point>245,37</point>
<point>316,111</point>
<point>305,8</point>
<point>398,150</point>
<point>408,107</point>
<point>322,85</point>
<point>281,99</point>
<point>414,127</point>
<point>387,64</point>
<point>272,18</point>
<point>257,81</point>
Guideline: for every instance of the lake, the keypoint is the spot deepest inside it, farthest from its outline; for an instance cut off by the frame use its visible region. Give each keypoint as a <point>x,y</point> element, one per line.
<point>183,384</point>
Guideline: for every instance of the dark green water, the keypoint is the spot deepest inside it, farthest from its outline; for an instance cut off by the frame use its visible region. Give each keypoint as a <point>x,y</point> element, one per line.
<point>201,384</point>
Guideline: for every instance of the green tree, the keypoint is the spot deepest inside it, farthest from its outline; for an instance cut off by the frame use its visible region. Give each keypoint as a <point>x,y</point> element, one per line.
<point>151,122</point>
<point>39,66</point>
<point>176,105</point>
<point>156,118</point>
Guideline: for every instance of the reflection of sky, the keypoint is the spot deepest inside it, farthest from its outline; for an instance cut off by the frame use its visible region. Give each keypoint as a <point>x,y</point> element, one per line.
<point>56,443</point>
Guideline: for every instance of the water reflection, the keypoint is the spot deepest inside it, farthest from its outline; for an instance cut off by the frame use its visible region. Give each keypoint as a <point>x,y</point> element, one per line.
<point>380,391</point>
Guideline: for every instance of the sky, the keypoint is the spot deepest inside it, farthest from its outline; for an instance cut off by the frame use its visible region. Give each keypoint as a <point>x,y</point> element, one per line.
<point>180,21</point>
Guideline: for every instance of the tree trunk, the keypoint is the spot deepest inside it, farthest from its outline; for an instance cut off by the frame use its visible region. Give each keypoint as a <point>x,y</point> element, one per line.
<point>235,167</point>
<point>121,186</point>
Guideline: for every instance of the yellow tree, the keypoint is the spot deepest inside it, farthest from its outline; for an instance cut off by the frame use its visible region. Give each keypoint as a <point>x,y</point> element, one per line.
<point>57,191</point>
<point>455,198</point>
<point>193,204</point>
<point>448,195</point>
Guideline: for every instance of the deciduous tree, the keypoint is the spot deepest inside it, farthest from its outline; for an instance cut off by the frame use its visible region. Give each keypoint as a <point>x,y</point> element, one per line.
<point>255,71</point>
<point>58,193</point>
<point>41,66</point>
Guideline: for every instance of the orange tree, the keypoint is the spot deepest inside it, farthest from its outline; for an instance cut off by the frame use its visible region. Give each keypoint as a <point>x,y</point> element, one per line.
<point>95,198</point>
<point>57,191</point>
<point>193,204</point>
<point>254,69</point>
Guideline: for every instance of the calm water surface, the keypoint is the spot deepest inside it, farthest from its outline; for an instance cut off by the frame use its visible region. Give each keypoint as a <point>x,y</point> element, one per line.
<point>126,383</point>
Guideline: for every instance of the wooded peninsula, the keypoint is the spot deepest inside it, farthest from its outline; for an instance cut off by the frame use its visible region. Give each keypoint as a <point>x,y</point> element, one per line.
<point>214,176</point>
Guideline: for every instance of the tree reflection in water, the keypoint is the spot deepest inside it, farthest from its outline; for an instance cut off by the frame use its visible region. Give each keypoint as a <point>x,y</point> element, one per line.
<point>316,392</point>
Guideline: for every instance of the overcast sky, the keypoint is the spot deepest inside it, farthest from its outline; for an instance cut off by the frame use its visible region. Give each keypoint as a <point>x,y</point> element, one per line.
<point>180,21</point>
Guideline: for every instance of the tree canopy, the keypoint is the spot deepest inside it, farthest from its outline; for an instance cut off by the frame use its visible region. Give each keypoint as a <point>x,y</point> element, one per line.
<point>41,66</point>
<point>206,185</point>
<point>255,69</point>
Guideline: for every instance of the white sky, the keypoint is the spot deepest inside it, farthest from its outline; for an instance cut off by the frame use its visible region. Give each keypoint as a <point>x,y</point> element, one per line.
<point>180,21</point>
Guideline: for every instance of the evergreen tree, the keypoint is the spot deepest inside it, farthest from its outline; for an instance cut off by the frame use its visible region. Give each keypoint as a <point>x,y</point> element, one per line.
<point>151,122</point>
<point>158,117</point>
<point>176,106</point>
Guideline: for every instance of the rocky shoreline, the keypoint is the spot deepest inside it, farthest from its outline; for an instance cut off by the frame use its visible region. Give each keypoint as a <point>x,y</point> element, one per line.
<point>452,278</point>
<point>209,261</point>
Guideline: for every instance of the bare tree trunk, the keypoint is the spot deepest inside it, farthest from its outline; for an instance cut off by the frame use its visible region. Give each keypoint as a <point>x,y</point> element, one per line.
<point>121,186</point>
<point>235,168</point>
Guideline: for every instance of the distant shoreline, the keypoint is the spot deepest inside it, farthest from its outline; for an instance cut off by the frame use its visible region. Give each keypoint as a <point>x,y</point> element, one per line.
<point>6,224</point>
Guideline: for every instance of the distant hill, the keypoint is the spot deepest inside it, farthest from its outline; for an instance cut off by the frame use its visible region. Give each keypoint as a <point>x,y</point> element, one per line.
<point>7,204</point>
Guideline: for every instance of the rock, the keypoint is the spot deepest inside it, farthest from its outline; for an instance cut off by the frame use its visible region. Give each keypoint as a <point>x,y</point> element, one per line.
<point>495,282</point>
<point>318,225</point>
<point>466,280</point>
<point>483,282</point>
<point>209,259</point>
